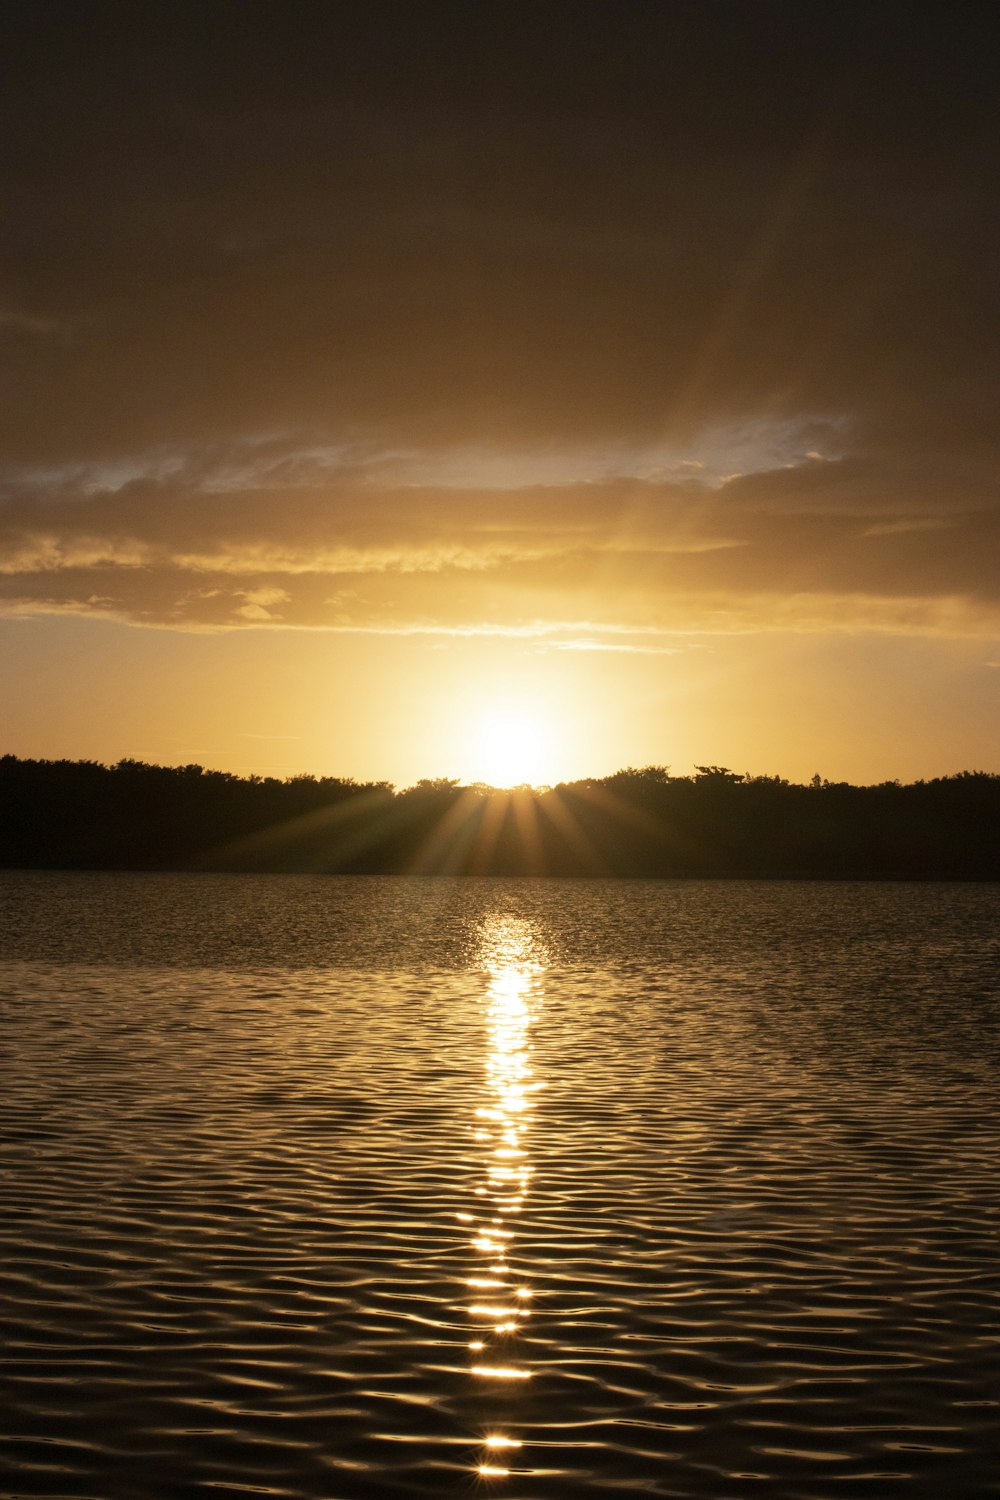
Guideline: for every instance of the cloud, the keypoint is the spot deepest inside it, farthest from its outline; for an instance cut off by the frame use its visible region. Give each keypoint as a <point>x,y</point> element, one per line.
<point>258,603</point>
<point>654,325</point>
<point>266,596</point>
<point>575,233</point>
<point>337,546</point>
<point>629,555</point>
<point>625,647</point>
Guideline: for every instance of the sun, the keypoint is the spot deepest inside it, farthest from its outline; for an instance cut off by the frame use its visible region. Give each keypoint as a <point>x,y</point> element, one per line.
<point>510,748</point>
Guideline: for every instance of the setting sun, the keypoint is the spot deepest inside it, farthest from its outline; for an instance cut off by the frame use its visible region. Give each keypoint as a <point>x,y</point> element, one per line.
<point>510,749</point>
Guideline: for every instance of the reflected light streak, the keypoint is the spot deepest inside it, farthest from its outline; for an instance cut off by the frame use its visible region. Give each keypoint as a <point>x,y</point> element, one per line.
<point>501,1125</point>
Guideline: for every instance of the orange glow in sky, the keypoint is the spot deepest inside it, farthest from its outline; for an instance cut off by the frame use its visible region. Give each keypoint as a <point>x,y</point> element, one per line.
<point>568,398</point>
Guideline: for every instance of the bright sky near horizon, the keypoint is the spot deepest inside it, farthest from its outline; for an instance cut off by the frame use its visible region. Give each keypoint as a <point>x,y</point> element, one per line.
<point>503,392</point>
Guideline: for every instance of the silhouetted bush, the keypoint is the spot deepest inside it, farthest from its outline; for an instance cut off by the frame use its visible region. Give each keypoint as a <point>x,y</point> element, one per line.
<point>79,814</point>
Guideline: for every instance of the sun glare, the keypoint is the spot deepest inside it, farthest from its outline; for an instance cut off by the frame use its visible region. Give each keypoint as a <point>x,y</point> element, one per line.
<point>510,749</point>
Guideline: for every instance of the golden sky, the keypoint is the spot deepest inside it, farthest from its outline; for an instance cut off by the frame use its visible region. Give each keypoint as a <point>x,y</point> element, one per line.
<point>500,391</point>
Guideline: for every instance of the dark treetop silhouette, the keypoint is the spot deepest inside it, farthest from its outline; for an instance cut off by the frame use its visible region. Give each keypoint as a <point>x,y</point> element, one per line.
<point>82,815</point>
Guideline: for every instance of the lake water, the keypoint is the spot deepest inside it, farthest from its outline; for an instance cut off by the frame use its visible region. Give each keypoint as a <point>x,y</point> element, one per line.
<point>346,1188</point>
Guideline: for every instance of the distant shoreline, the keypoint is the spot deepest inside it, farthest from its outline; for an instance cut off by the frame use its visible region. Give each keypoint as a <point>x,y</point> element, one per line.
<point>476,875</point>
<point>717,824</point>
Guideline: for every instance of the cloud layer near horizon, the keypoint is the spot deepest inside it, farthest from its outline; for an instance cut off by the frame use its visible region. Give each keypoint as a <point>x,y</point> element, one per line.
<point>823,544</point>
<point>498,319</point>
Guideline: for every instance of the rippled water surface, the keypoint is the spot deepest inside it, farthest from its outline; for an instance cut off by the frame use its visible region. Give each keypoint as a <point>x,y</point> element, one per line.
<point>382,1187</point>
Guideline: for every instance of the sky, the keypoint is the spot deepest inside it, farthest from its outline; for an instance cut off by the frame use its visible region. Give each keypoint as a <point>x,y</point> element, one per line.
<point>501,391</point>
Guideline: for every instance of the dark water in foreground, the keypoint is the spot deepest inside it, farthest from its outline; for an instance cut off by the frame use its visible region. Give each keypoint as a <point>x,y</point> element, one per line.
<point>382,1187</point>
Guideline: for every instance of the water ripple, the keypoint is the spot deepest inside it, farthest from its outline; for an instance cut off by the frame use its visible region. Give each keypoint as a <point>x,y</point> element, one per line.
<point>544,1218</point>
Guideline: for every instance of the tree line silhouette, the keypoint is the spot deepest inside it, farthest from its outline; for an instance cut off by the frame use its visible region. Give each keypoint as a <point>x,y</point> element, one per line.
<point>643,822</point>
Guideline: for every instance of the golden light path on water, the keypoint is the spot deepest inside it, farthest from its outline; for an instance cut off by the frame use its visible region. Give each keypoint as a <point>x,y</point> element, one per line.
<point>499,1295</point>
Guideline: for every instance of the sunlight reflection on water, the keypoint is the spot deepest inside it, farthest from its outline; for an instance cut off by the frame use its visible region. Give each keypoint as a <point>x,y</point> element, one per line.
<point>512,956</point>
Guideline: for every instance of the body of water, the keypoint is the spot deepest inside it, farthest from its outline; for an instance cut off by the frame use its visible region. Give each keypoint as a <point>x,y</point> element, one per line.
<point>337,1187</point>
